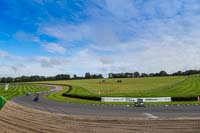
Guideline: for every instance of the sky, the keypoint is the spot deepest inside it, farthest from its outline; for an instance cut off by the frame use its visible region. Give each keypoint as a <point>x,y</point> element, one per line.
<point>49,37</point>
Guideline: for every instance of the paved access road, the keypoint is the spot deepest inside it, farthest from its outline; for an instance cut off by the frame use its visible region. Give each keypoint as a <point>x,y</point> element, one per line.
<point>154,112</point>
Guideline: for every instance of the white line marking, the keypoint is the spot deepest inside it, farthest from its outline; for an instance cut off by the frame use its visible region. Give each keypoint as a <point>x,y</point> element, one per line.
<point>150,116</point>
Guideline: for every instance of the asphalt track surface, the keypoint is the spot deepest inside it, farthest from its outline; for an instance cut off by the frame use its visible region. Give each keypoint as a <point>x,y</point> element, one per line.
<point>152,112</point>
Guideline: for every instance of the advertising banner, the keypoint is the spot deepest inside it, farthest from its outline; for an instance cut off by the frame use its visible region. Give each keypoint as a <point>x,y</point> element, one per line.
<point>129,99</point>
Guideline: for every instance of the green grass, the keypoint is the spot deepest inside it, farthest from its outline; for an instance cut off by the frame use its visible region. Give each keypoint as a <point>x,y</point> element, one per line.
<point>187,88</point>
<point>58,97</point>
<point>130,87</point>
<point>81,91</point>
<point>138,87</point>
<point>20,89</point>
<point>180,86</point>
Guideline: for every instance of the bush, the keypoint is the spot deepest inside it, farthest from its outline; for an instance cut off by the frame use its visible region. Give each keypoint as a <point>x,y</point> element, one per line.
<point>119,81</point>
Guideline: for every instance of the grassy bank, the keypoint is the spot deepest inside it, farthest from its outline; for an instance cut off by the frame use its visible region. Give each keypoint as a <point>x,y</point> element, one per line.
<point>177,86</point>
<point>20,89</point>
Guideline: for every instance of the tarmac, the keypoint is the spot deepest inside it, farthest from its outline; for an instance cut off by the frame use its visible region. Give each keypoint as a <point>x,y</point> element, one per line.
<point>152,112</point>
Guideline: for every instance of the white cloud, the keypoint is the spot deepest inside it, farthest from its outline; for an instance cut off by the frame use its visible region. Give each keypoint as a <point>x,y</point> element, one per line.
<point>122,8</point>
<point>46,61</point>
<point>21,35</point>
<point>54,48</point>
<point>64,31</point>
<point>152,45</point>
<point>124,35</point>
<point>40,65</point>
<point>3,54</point>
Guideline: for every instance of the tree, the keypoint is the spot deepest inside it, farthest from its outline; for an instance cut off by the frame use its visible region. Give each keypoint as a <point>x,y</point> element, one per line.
<point>128,75</point>
<point>163,73</point>
<point>87,75</point>
<point>144,75</point>
<point>136,74</point>
<point>62,77</point>
<point>179,73</point>
<point>74,76</point>
<point>100,76</point>
<point>110,75</point>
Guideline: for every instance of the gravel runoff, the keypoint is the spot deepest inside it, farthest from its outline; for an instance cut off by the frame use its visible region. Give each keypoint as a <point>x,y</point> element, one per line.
<point>15,118</point>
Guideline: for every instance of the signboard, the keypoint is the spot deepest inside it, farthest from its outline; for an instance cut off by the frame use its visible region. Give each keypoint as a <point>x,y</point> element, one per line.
<point>113,99</point>
<point>129,99</point>
<point>157,99</point>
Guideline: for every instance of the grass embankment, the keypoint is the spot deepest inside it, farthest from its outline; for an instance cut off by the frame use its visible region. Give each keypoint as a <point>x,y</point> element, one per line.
<point>129,87</point>
<point>20,89</point>
<point>138,87</point>
<point>57,96</point>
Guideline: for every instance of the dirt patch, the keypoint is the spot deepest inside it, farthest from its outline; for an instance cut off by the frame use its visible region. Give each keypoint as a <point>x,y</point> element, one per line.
<point>16,119</point>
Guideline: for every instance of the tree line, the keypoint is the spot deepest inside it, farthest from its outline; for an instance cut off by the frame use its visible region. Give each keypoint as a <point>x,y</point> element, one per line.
<point>51,78</point>
<point>94,76</point>
<point>161,73</point>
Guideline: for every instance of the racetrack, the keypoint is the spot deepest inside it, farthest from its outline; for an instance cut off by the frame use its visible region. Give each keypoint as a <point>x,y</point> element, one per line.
<point>15,118</point>
<point>173,111</point>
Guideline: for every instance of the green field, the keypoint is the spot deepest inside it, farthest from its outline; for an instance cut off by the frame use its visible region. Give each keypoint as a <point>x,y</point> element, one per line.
<point>21,89</point>
<point>180,86</point>
<point>152,86</point>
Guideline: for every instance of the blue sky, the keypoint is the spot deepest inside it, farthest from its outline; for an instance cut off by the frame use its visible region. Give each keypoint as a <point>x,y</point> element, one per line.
<point>47,37</point>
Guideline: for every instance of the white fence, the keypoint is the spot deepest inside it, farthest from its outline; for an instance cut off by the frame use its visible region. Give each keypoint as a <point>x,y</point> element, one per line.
<point>128,99</point>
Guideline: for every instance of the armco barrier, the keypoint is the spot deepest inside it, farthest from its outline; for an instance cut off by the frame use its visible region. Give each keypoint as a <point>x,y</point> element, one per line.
<point>184,98</point>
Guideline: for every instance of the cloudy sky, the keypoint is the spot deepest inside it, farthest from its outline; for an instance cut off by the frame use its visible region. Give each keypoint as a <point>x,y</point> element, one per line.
<point>48,37</point>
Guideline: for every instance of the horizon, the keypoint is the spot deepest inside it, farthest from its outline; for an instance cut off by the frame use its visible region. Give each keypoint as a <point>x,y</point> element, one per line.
<point>43,37</point>
<point>183,73</point>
